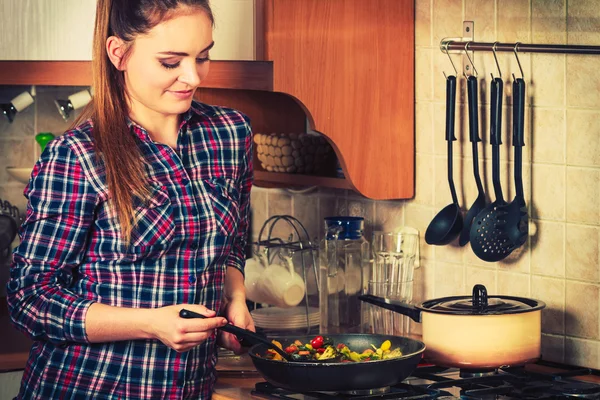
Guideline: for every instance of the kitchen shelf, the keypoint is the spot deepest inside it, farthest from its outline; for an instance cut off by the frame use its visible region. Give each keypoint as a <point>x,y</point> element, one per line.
<point>265,178</point>
<point>252,75</point>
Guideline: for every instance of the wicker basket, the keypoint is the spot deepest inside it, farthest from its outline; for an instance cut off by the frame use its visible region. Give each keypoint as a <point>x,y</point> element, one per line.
<point>294,153</point>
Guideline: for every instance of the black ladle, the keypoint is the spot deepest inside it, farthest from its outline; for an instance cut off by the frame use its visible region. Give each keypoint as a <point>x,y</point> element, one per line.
<point>516,227</point>
<point>487,242</point>
<point>448,223</point>
<point>480,202</point>
<point>248,337</point>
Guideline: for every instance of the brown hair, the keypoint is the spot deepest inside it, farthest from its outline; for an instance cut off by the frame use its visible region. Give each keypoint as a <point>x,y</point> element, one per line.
<point>116,147</point>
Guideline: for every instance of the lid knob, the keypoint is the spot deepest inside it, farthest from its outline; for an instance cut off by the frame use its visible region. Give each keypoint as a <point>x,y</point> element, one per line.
<point>480,297</point>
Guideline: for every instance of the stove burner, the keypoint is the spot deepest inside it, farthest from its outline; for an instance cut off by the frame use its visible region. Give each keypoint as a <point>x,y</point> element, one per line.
<point>367,392</point>
<point>477,373</point>
<point>581,390</point>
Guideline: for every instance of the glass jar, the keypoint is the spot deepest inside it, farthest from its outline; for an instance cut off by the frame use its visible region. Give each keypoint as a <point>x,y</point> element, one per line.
<point>344,260</point>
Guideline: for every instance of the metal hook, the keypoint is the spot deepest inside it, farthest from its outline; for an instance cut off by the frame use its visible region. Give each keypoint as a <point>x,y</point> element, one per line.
<point>497,63</point>
<point>471,61</point>
<point>515,50</point>
<point>450,58</point>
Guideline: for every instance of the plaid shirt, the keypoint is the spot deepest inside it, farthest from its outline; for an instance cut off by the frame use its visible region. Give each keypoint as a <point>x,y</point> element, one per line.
<point>72,255</point>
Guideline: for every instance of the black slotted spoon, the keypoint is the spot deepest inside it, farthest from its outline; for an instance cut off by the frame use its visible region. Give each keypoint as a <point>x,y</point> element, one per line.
<point>487,242</point>
<point>480,202</point>
<point>516,227</point>
<point>448,223</point>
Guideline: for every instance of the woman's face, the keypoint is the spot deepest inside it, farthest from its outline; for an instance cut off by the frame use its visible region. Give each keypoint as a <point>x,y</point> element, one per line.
<point>166,65</point>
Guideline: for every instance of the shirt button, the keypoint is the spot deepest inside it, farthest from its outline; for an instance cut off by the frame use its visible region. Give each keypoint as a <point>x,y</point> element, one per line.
<point>194,246</point>
<point>185,181</point>
<point>180,382</point>
<point>194,211</point>
<point>192,279</point>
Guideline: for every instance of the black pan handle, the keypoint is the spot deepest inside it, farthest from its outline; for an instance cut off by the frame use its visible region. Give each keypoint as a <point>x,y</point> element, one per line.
<point>518,135</point>
<point>397,306</point>
<point>473,115</point>
<point>450,107</point>
<point>247,338</point>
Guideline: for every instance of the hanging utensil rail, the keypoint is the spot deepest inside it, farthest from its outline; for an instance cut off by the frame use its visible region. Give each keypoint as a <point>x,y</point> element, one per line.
<point>451,44</point>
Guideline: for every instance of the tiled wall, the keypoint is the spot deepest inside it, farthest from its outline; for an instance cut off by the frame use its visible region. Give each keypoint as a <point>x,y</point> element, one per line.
<point>560,264</point>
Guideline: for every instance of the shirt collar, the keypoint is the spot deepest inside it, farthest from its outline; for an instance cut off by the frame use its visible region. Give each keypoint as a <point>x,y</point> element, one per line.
<point>186,118</point>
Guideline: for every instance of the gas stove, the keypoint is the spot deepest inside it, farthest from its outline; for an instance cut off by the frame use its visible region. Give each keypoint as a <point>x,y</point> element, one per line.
<point>542,380</point>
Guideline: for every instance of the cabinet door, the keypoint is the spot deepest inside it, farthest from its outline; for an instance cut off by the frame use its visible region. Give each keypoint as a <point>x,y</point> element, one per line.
<point>46,30</point>
<point>63,29</point>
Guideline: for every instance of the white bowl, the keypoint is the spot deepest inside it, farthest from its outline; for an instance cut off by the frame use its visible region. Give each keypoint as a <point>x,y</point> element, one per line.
<point>20,174</point>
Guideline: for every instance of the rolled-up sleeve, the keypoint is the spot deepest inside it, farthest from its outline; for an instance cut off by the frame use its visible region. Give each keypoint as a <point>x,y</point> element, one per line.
<point>60,211</point>
<point>237,256</point>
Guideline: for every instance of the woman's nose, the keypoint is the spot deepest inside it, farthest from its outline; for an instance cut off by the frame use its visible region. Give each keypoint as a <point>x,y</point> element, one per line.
<point>190,75</point>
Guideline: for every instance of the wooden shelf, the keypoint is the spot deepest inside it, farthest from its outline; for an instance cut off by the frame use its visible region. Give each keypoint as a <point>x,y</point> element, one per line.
<point>275,179</point>
<point>251,75</point>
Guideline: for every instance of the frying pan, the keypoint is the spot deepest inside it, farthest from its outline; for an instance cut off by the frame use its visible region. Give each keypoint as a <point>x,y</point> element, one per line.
<point>336,376</point>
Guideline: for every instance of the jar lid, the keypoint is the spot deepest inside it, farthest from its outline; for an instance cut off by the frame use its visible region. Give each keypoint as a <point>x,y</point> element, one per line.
<point>480,304</point>
<point>343,227</point>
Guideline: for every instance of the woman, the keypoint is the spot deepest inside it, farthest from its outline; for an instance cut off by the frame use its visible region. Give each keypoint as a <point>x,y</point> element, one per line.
<point>139,211</point>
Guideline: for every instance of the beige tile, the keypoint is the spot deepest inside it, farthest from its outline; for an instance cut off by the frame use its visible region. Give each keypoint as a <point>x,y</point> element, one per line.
<point>583,82</point>
<point>583,140</point>
<point>15,153</point>
<point>547,252</point>
<point>483,276</point>
<point>583,190</point>
<point>582,353</point>
<point>258,202</point>
<point>442,194</point>
<point>447,19</point>
<point>513,284</point>
<point>548,144</point>
<point>553,348</point>
<point>582,260</point>
<point>582,22</point>
<point>548,22</point>
<point>546,85</point>
<point>280,203</point>
<point>389,215</point>
<point>517,261</point>
<point>451,252</point>
<point>306,210</point>
<point>552,292</point>
<point>13,193</point>
<point>23,124</point>
<point>548,196</point>
<point>424,128</point>
<point>449,279</point>
<point>483,13</point>
<point>423,70</point>
<point>419,218</point>
<point>423,22</point>
<point>513,21</point>
<point>48,118</point>
<point>424,183</point>
<point>581,318</point>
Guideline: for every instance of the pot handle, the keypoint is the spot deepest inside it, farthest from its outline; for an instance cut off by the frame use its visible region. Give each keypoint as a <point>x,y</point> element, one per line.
<point>397,306</point>
<point>480,297</point>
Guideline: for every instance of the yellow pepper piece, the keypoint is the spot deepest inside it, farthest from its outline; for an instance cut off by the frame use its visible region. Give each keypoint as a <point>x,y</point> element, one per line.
<point>354,356</point>
<point>308,346</point>
<point>386,345</point>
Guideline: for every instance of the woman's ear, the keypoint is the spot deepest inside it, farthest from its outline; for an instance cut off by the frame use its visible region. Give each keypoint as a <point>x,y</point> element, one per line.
<point>115,48</point>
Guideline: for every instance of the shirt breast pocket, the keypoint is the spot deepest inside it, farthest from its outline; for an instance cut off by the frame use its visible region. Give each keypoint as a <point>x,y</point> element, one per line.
<point>153,220</point>
<point>225,199</point>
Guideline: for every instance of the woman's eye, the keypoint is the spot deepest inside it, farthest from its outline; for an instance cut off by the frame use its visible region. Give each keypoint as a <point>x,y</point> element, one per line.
<point>202,60</point>
<point>169,66</point>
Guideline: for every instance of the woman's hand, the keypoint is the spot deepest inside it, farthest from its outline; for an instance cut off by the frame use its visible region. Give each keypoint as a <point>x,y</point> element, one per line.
<point>237,313</point>
<point>182,334</point>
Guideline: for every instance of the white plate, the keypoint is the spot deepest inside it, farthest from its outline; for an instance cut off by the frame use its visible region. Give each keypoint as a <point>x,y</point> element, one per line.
<point>20,174</point>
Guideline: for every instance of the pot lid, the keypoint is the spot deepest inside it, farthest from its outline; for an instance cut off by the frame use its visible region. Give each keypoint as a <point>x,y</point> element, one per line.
<point>480,304</point>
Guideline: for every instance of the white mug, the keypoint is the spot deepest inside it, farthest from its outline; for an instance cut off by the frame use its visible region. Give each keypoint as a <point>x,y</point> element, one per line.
<point>280,286</point>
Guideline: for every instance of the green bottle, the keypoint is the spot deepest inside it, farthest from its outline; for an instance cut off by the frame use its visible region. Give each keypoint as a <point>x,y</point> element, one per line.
<point>43,138</point>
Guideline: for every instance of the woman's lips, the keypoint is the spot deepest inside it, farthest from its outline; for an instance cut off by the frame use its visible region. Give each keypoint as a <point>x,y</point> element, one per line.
<point>182,94</point>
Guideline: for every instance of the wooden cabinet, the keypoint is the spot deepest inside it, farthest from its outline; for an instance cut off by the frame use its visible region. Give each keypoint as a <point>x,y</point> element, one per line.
<point>62,30</point>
